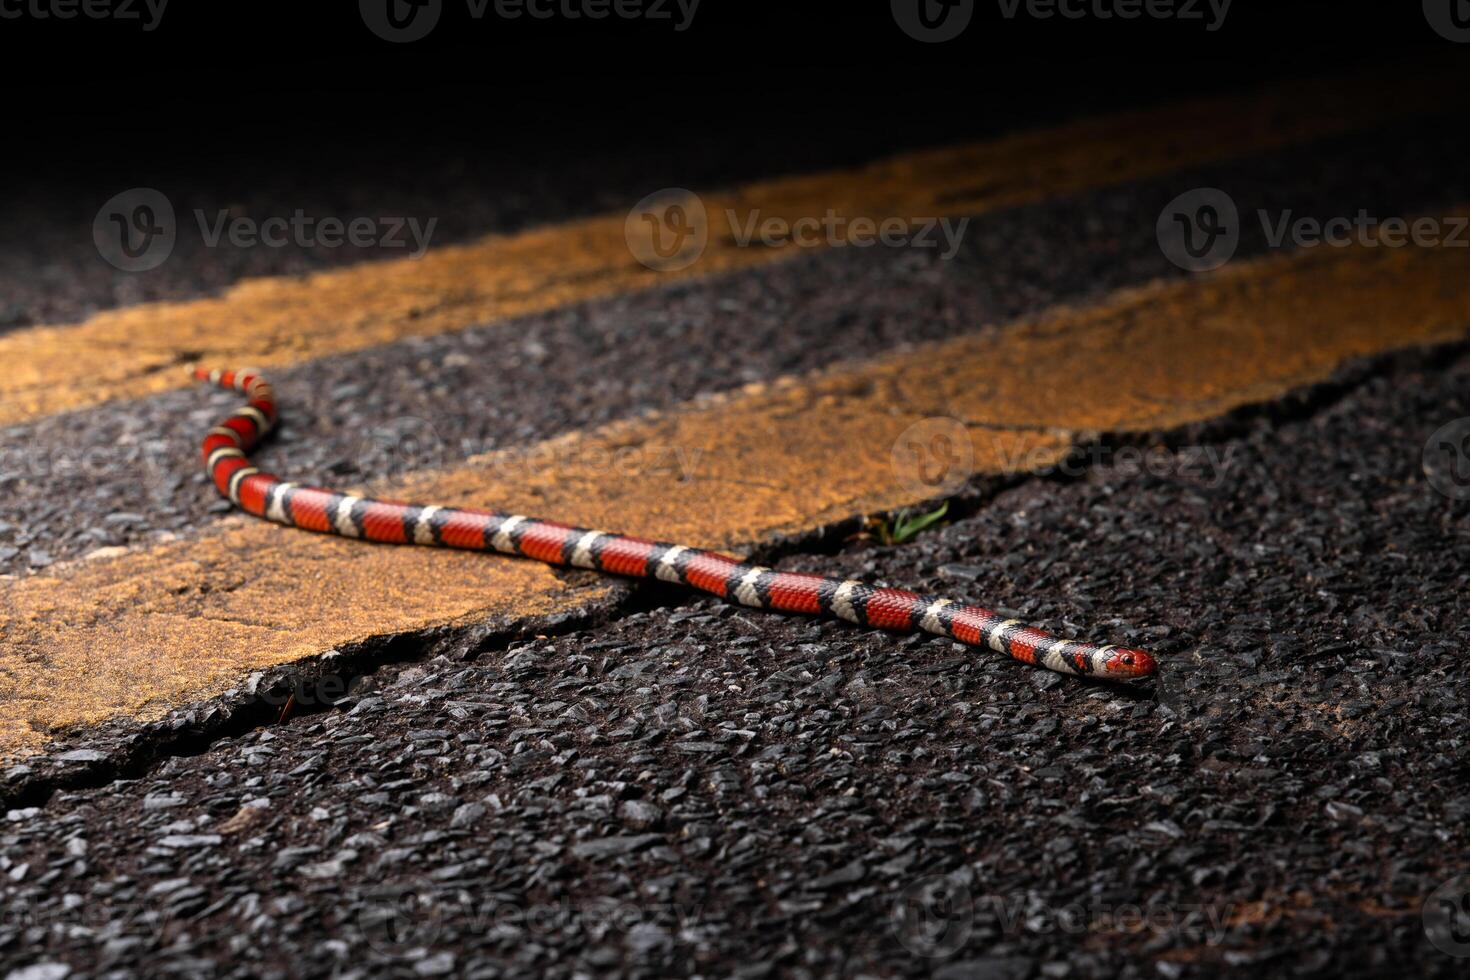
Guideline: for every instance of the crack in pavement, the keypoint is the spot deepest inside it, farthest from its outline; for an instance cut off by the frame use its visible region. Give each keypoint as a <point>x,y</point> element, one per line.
<point>832,461</point>
<point>193,729</point>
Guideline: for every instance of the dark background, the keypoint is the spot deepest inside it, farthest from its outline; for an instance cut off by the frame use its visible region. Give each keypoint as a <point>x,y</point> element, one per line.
<point>226,85</point>
<point>264,110</point>
<point>492,125</point>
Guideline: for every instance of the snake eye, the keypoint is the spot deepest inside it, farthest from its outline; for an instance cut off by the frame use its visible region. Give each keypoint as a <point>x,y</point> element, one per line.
<point>1127,658</point>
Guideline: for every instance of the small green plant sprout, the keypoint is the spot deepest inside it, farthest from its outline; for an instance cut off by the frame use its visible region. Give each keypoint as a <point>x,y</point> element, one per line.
<point>906,524</point>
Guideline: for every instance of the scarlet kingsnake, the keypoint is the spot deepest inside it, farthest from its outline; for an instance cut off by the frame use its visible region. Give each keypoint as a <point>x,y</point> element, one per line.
<point>331,512</point>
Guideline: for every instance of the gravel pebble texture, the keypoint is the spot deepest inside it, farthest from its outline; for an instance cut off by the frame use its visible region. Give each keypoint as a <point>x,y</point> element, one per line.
<point>695,788</point>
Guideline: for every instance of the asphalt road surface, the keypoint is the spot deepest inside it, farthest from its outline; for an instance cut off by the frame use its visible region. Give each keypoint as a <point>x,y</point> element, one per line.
<point>695,788</point>
<point>583,777</point>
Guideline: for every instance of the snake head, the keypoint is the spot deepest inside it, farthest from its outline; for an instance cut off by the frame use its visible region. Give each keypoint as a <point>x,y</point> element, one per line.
<point>1124,663</point>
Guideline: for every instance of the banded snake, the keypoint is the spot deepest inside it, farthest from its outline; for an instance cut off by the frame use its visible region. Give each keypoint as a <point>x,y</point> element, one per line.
<point>328,511</point>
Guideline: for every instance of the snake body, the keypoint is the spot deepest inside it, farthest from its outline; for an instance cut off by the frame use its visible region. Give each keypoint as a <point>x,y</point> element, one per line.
<point>328,511</point>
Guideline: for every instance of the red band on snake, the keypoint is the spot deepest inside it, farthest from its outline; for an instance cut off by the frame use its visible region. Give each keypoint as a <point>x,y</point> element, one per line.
<point>316,509</point>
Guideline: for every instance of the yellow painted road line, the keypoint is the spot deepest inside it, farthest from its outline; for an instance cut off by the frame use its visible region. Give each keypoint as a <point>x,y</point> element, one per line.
<point>264,322</point>
<point>139,633</point>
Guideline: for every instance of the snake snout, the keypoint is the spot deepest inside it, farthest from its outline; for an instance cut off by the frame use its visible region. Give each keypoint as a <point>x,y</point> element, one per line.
<point>1126,663</point>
